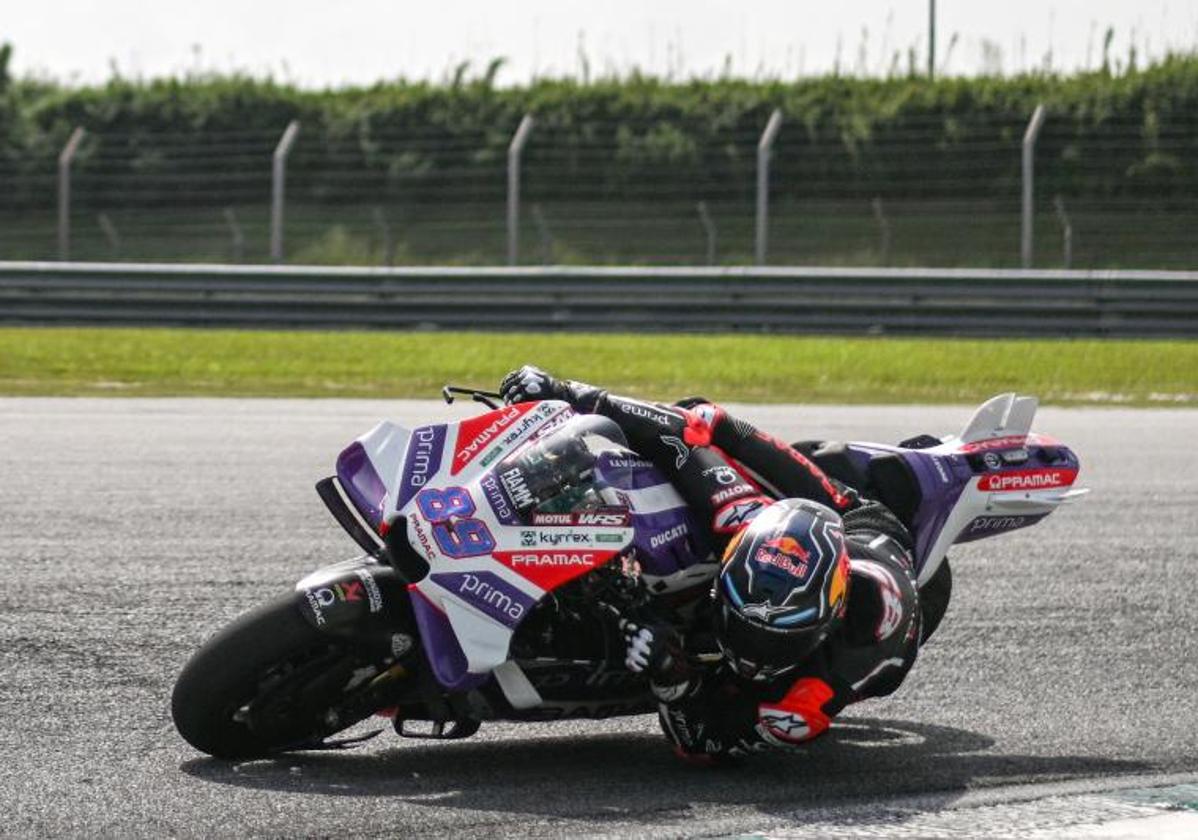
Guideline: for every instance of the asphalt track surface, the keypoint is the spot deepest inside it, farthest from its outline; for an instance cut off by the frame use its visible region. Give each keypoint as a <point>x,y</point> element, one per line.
<point>132,529</point>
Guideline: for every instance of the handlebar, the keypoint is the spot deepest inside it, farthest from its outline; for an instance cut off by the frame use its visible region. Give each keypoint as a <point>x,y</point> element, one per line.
<point>487,398</point>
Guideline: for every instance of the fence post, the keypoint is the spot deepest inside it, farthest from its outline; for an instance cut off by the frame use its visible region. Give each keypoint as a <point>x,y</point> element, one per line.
<point>546,235</point>
<point>709,229</point>
<point>237,237</point>
<point>277,178</point>
<point>763,182</point>
<point>384,228</point>
<point>1029,159</point>
<point>65,157</point>
<point>111,234</point>
<point>883,228</point>
<point>1066,230</point>
<point>514,150</point>
<point>932,39</point>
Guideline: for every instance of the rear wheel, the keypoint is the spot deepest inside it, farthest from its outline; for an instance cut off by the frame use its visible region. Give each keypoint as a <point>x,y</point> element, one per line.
<point>269,682</point>
<point>934,596</point>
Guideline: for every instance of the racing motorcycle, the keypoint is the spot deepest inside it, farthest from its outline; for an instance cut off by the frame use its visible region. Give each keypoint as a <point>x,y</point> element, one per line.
<point>500,553</point>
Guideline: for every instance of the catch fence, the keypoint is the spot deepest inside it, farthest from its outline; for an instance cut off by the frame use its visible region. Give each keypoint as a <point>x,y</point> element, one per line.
<point>643,191</point>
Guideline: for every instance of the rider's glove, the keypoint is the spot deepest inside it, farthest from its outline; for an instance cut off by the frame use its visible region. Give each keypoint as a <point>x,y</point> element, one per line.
<point>531,383</point>
<point>656,651</point>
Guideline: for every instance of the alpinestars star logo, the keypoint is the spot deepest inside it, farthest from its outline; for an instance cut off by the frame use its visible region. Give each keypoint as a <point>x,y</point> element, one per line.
<point>731,517</point>
<point>787,726</point>
<point>763,611</point>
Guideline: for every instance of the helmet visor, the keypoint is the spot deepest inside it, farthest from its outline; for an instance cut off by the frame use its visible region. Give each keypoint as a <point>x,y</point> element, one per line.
<point>759,651</point>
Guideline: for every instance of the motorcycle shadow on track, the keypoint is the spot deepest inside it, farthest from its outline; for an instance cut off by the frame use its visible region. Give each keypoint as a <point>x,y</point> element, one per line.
<point>619,774</point>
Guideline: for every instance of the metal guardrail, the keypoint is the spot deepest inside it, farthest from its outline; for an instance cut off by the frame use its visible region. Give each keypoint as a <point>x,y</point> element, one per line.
<point>914,301</point>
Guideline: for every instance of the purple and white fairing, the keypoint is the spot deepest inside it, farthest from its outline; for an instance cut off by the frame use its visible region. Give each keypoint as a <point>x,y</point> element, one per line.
<point>669,539</point>
<point>469,605</point>
<point>449,663</point>
<point>361,468</point>
<point>941,477</point>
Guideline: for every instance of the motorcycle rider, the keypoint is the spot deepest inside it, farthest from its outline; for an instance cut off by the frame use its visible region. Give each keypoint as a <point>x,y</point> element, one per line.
<point>815,606</point>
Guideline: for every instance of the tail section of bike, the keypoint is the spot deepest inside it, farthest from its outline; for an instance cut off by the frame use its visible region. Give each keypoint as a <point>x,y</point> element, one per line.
<point>995,477</point>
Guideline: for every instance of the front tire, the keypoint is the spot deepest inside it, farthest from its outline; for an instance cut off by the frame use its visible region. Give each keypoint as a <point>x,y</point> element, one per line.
<point>260,685</point>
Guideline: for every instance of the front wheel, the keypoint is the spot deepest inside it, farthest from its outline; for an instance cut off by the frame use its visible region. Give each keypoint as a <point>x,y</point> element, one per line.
<point>270,682</point>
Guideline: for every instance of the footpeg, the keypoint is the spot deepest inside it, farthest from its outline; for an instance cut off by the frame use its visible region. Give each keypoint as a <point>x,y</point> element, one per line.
<point>440,730</point>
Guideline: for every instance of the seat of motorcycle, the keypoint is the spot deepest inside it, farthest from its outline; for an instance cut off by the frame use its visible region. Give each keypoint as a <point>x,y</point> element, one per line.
<point>894,484</point>
<point>888,478</point>
<point>832,457</point>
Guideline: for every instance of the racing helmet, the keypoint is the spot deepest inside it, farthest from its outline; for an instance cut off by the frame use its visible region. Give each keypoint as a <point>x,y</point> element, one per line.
<point>783,588</point>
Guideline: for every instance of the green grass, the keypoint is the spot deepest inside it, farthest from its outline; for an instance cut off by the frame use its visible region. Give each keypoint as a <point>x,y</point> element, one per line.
<point>159,362</point>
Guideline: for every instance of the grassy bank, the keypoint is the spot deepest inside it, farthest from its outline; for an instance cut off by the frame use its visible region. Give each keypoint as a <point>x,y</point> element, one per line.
<point>158,362</point>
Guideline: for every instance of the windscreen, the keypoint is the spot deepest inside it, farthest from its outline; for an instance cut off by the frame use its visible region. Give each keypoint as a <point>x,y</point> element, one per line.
<point>556,475</point>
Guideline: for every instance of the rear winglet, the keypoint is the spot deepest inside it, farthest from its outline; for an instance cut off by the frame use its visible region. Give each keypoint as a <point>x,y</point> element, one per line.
<point>1006,415</point>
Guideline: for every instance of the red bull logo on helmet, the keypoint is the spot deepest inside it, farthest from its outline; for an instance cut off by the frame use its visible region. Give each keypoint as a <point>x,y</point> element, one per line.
<point>787,554</point>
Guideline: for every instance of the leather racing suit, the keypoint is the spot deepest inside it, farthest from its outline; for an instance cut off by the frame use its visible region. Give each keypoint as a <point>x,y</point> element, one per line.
<point>728,471</point>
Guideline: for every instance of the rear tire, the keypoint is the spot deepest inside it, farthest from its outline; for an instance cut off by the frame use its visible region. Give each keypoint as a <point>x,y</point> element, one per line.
<point>933,599</point>
<point>229,671</point>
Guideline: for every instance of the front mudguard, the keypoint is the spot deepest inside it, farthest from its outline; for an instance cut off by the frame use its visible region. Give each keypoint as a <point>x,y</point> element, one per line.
<point>360,601</point>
